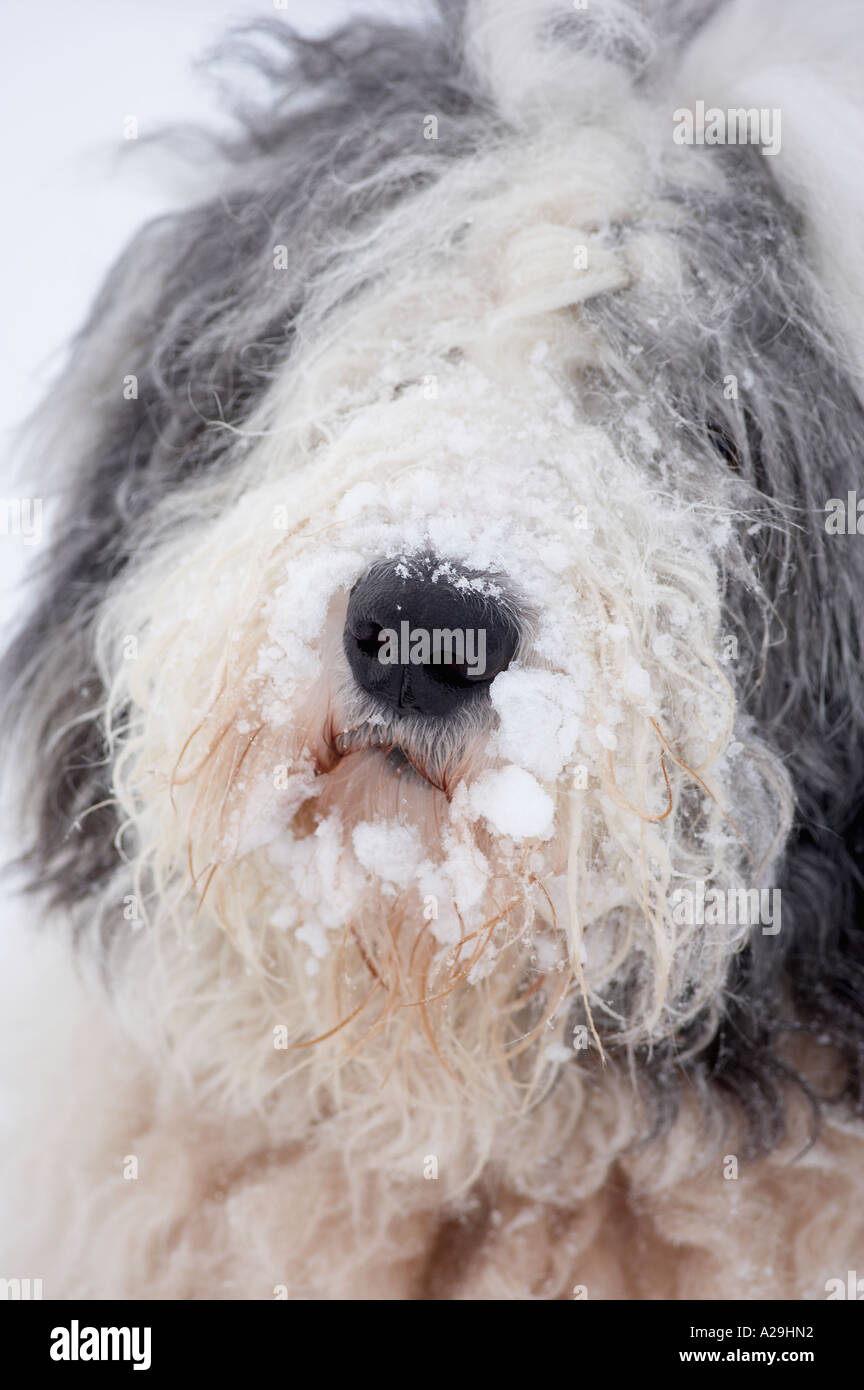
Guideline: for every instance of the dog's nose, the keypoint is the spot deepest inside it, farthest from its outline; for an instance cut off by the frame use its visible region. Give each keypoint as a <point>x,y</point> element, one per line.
<point>426,638</point>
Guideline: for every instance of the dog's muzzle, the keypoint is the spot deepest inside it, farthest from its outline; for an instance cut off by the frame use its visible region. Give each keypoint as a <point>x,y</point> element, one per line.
<point>427,638</point>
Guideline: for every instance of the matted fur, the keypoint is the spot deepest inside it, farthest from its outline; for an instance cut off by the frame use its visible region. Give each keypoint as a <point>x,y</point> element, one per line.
<point>372,344</point>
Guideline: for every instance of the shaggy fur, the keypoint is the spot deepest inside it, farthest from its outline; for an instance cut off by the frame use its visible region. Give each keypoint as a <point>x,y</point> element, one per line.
<point>381,1007</point>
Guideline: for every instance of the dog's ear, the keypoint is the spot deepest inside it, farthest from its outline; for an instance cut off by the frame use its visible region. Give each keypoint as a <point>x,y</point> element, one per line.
<point>799,430</point>
<point>801,63</point>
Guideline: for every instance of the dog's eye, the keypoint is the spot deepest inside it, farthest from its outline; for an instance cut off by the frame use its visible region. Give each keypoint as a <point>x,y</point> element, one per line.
<point>723,444</point>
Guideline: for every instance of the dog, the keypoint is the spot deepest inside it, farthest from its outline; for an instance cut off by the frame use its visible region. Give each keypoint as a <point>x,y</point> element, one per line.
<point>438,733</point>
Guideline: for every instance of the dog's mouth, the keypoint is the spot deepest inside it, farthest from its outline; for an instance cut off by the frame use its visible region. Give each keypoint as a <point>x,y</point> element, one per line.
<point>416,761</point>
<point>402,765</point>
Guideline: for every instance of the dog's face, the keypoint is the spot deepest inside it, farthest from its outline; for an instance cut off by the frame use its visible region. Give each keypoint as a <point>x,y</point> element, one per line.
<point>484,842</point>
<point>427,663</point>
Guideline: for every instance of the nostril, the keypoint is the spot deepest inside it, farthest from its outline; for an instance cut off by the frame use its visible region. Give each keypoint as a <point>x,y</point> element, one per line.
<point>368,637</point>
<point>456,673</point>
<point>424,638</point>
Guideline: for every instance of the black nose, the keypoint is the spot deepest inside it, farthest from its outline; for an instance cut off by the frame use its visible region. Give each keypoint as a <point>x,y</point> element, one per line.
<point>426,638</point>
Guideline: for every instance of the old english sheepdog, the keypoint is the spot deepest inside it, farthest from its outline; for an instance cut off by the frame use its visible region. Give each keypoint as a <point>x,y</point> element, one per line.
<point>440,730</point>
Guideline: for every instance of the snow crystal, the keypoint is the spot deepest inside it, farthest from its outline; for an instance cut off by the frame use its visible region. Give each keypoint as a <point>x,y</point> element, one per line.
<point>466,868</point>
<point>513,803</point>
<point>315,938</point>
<point>538,714</point>
<point>637,683</point>
<point>390,851</point>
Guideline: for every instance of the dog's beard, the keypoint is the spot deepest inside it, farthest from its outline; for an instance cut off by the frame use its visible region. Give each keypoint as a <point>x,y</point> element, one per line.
<point>469,903</point>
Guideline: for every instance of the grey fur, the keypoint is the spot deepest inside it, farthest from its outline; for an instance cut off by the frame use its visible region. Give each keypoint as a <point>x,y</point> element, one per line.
<point>794,435</point>
<point>205,345</point>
